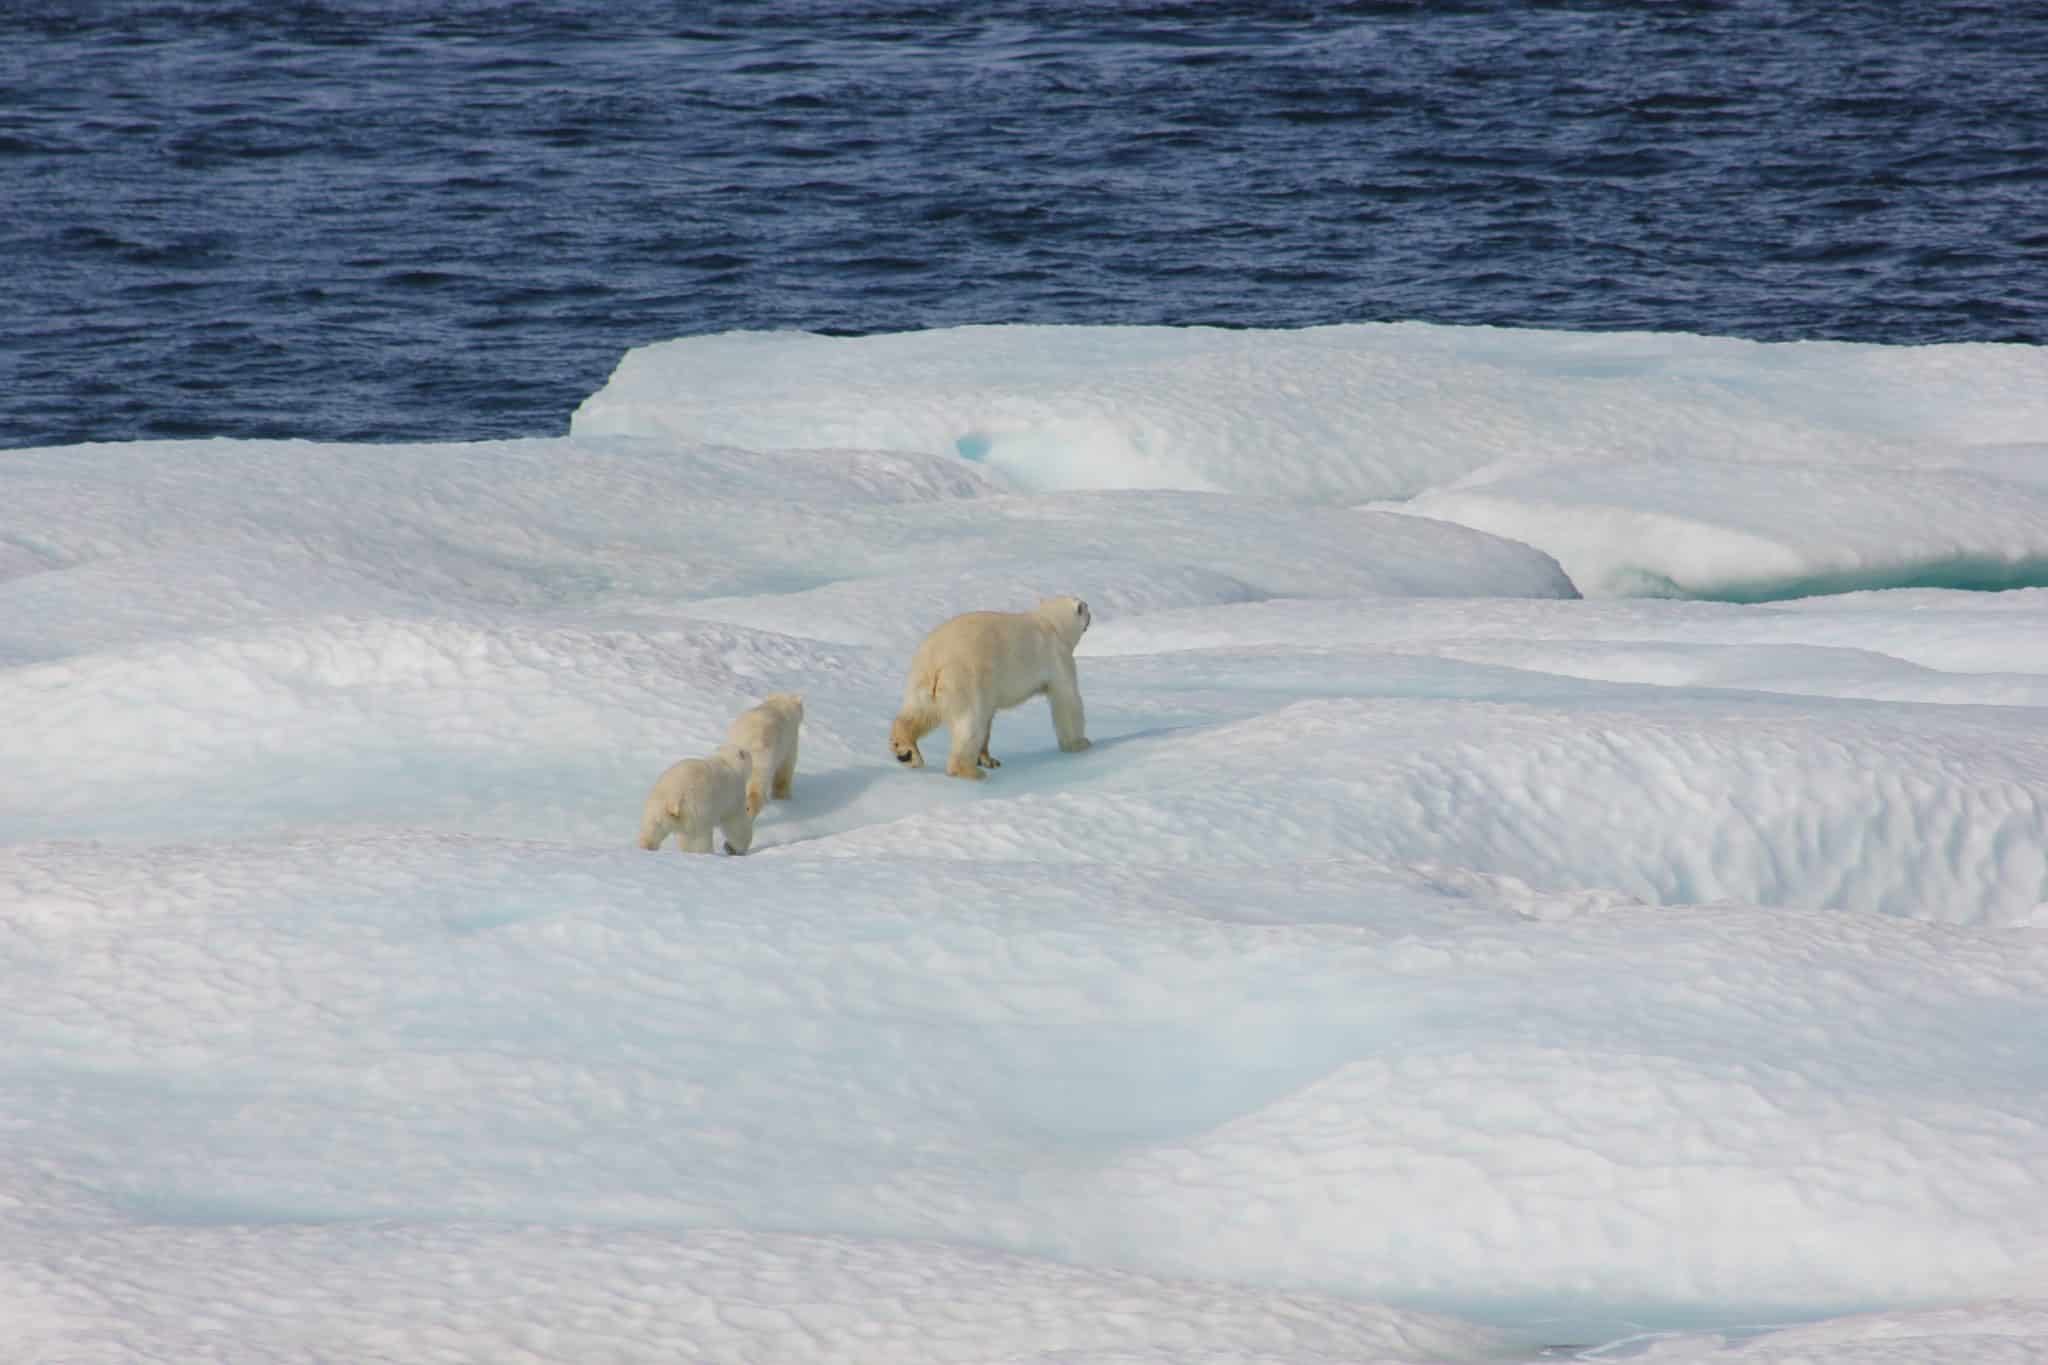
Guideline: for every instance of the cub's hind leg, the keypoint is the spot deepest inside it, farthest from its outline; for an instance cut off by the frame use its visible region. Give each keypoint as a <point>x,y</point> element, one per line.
<point>695,835</point>
<point>784,775</point>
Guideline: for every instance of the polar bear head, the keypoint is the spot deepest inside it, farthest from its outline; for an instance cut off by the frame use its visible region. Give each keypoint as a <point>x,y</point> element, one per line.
<point>1068,617</point>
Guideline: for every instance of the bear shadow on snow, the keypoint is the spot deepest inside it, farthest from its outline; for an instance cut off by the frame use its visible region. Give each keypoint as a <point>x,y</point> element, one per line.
<point>831,790</point>
<point>1044,758</point>
<point>835,791</point>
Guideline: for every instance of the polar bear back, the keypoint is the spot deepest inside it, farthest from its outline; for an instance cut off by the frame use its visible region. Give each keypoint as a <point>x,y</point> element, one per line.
<point>1006,656</point>
<point>768,731</point>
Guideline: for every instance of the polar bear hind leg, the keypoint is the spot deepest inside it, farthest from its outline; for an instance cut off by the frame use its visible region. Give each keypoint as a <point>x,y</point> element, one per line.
<point>694,835</point>
<point>968,727</point>
<point>912,723</point>
<point>657,822</point>
<point>768,778</point>
<point>785,774</point>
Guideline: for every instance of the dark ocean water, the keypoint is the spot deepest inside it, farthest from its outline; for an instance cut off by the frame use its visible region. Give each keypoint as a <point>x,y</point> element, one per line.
<point>372,221</point>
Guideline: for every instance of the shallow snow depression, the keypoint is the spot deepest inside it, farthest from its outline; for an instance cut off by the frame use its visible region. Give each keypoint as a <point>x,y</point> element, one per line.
<point>1426,962</point>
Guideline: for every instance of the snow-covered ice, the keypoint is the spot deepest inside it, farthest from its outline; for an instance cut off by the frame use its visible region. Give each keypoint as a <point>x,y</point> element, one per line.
<point>1562,871</point>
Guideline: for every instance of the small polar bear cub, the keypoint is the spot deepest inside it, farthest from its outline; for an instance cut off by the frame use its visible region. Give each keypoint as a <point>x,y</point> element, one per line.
<point>697,795</point>
<point>768,734</point>
<point>975,665</point>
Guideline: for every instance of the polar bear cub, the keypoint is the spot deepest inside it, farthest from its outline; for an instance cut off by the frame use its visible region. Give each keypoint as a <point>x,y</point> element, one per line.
<point>768,734</point>
<point>975,665</point>
<point>696,795</point>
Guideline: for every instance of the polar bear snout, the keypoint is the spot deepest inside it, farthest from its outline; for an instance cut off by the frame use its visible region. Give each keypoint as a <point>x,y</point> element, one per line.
<point>905,755</point>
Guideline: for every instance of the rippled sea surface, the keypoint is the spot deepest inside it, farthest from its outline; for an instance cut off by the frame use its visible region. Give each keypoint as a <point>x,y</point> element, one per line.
<point>375,221</point>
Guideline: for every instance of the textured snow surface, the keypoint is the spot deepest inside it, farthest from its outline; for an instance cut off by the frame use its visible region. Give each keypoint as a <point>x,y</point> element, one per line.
<point>1647,464</point>
<point>1425,963</point>
<point>544,1294</point>
<point>1749,532</point>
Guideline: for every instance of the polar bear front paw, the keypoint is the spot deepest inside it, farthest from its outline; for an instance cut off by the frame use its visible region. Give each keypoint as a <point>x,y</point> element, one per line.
<point>1076,746</point>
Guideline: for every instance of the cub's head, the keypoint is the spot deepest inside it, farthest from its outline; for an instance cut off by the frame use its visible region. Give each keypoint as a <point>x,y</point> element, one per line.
<point>739,758</point>
<point>1068,616</point>
<point>790,704</point>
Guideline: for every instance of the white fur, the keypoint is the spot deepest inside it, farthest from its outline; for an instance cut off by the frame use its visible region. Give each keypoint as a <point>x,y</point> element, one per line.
<point>697,795</point>
<point>768,734</point>
<point>975,665</point>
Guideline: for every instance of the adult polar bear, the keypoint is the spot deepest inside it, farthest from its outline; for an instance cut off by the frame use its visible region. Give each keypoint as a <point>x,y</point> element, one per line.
<point>975,665</point>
